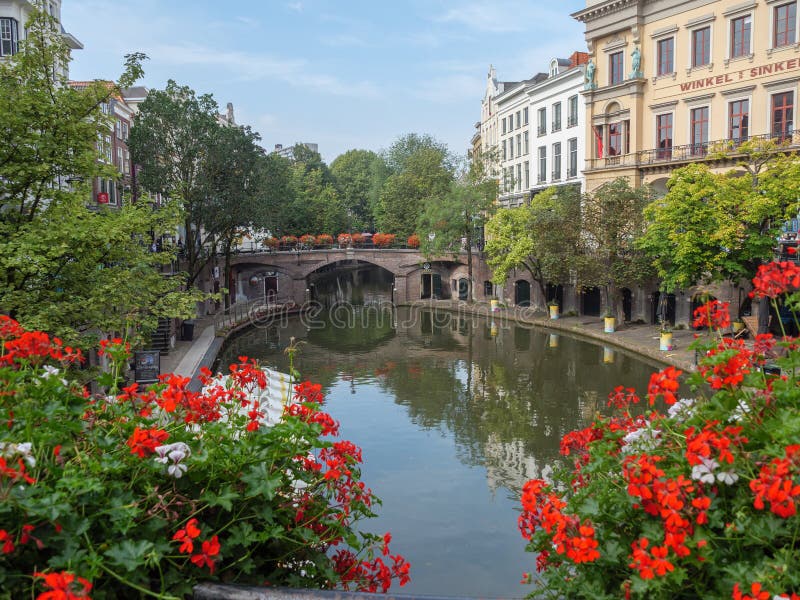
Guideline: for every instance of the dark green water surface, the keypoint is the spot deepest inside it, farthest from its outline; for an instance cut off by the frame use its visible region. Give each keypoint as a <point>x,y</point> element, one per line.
<point>454,414</point>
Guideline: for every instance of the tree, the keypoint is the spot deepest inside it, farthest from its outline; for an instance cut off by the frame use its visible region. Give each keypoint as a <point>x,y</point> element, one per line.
<point>425,178</point>
<point>541,238</point>
<point>235,199</point>
<point>65,268</point>
<point>722,226</point>
<point>171,140</point>
<point>456,220</point>
<point>316,206</point>
<point>403,148</point>
<point>359,176</point>
<point>612,221</point>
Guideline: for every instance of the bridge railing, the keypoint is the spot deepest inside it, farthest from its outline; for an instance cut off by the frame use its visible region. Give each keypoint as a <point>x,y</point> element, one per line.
<point>238,313</point>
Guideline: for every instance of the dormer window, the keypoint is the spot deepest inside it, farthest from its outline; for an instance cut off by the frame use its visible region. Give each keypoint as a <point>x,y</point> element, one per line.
<point>554,68</point>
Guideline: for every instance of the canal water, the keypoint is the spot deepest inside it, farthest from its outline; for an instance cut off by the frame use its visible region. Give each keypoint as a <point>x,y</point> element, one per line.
<point>454,413</point>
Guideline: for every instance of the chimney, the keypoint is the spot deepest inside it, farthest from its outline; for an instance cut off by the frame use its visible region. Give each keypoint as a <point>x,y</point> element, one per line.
<point>578,58</point>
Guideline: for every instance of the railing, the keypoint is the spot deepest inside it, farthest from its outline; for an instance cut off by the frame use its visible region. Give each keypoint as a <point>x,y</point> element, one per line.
<point>238,313</point>
<point>689,152</point>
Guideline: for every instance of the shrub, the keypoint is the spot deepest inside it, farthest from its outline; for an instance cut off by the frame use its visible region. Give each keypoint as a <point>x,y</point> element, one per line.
<point>699,501</point>
<point>383,240</point>
<point>149,491</point>
<point>358,239</point>
<point>271,242</point>
<point>324,240</point>
<point>413,241</point>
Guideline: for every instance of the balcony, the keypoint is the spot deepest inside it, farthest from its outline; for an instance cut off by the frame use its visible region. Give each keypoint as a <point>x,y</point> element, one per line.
<point>688,153</point>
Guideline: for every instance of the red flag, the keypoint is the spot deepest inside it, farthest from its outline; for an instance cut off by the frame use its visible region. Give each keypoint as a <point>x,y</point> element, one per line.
<point>599,137</point>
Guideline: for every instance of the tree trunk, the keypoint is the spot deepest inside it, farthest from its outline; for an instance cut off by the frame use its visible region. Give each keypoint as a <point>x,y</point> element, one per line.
<point>228,272</point>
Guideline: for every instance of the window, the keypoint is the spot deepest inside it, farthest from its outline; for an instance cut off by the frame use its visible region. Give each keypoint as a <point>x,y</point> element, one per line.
<point>118,129</point>
<point>504,150</point>
<point>557,116</point>
<point>542,176</point>
<point>107,148</point>
<point>119,158</point>
<point>542,125</point>
<point>784,25</point>
<point>666,56</point>
<point>518,120</point>
<point>698,123</point>
<point>556,161</point>
<point>126,168</point>
<point>572,146</point>
<point>519,177</point>
<point>664,136</point>
<point>572,119</point>
<point>783,115</point>
<point>525,116</point>
<point>598,140</point>
<point>519,144</point>
<point>511,147</point>
<point>740,36</point>
<point>738,117</point>
<point>615,68</point>
<point>125,131</point>
<point>701,47</point>
<point>614,139</point>
<point>525,143</point>
<point>526,169</point>
<point>504,124</point>
<point>8,36</point>
<point>104,108</point>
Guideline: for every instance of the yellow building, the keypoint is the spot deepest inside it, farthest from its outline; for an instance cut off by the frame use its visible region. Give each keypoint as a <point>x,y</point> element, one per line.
<point>669,78</point>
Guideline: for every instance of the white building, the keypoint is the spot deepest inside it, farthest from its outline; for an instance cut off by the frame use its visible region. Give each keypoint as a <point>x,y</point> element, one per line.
<point>288,151</point>
<point>14,16</point>
<point>488,130</point>
<point>541,121</point>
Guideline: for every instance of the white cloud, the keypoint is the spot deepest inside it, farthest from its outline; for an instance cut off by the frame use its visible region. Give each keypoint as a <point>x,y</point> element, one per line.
<point>505,16</point>
<point>295,6</point>
<point>257,67</point>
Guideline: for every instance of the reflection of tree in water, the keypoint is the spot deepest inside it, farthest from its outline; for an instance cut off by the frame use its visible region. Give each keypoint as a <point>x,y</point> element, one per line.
<point>508,399</point>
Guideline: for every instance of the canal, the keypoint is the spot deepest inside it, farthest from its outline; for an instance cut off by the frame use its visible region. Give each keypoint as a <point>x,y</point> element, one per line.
<point>454,413</point>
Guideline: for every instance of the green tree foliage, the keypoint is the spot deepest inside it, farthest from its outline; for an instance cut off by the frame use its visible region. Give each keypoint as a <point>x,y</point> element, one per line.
<point>397,156</point>
<point>63,267</point>
<point>541,238</point>
<point>425,178</point>
<point>171,140</point>
<point>316,205</point>
<point>275,182</point>
<point>360,175</point>
<point>457,219</point>
<point>721,226</point>
<point>612,221</point>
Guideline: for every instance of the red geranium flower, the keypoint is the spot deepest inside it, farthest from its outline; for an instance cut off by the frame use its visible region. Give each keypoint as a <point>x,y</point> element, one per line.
<point>64,586</point>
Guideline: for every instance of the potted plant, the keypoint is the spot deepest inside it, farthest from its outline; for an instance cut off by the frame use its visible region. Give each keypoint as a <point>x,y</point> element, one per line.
<point>324,240</point>
<point>553,307</point>
<point>609,321</point>
<point>665,339</point>
<point>344,240</point>
<point>307,240</point>
<point>413,241</point>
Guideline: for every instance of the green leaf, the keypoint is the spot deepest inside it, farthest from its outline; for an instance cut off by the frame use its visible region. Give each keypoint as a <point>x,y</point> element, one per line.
<point>130,554</point>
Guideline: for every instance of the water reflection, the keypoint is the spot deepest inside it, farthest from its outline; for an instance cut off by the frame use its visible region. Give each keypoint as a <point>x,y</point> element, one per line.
<point>446,405</point>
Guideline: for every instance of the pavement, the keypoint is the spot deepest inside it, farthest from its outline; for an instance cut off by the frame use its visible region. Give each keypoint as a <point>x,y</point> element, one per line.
<point>187,357</point>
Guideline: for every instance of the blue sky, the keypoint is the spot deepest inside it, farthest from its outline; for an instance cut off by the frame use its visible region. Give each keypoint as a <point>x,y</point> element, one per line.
<point>342,73</point>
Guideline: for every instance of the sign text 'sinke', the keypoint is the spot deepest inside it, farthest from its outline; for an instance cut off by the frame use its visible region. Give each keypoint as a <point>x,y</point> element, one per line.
<point>706,82</point>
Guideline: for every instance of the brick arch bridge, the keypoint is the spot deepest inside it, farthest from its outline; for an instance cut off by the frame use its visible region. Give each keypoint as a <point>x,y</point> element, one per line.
<point>254,275</point>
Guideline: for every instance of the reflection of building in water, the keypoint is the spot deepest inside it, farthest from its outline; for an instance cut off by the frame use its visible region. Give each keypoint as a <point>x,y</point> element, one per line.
<point>508,464</point>
<point>589,405</point>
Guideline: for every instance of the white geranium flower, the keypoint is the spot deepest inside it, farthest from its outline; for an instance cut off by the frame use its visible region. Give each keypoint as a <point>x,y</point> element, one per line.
<point>50,371</point>
<point>682,409</point>
<point>177,470</point>
<point>704,472</point>
<point>727,477</point>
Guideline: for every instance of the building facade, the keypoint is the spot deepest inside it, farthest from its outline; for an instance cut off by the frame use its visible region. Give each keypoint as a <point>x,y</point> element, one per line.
<point>670,79</point>
<point>541,127</point>
<point>14,15</point>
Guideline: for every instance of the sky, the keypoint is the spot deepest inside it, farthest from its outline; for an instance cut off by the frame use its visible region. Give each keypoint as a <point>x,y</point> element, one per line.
<point>344,74</point>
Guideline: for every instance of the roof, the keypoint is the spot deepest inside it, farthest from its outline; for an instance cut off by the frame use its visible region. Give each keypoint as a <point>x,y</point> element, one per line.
<point>136,91</point>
